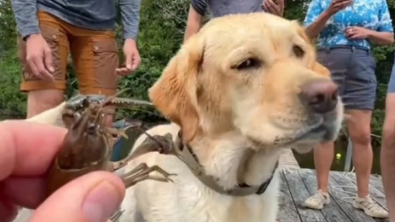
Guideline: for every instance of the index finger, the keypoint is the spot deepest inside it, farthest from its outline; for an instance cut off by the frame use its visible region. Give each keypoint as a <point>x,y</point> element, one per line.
<point>273,6</point>
<point>27,149</point>
<point>38,62</point>
<point>136,62</point>
<point>129,60</point>
<point>48,60</point>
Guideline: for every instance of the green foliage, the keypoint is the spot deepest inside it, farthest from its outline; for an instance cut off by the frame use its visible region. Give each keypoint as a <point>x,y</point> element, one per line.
<point>12,102</point>
<point>11,99</point>
<point>159,38</point>
<point>161,31</point>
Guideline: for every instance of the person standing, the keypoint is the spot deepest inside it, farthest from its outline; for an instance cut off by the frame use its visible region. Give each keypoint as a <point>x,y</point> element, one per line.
<point>198,9</point>
<point>344,31</point>
<point>387,155</point>
<point>50,30</point>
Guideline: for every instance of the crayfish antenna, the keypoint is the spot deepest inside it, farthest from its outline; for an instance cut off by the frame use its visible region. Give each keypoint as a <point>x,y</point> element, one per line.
<point>51,117</point>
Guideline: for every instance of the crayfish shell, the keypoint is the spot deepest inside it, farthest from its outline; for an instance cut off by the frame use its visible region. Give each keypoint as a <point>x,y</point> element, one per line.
<point>57,177</point>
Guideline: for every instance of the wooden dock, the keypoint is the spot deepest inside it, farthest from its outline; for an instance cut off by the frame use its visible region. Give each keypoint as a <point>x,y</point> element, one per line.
<point>287,160</point>
<point>298,184</point>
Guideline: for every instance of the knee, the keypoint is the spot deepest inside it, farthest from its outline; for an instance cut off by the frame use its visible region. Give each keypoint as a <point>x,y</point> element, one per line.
<point>40,101</point>
<point>361,136</point>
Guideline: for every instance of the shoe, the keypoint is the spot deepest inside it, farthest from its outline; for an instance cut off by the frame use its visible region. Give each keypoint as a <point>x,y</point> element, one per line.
<point>370,207</point>
<point>317,201</point>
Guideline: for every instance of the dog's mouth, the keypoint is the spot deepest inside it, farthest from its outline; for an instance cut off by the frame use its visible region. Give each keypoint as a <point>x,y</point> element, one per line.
<point>324,128</point>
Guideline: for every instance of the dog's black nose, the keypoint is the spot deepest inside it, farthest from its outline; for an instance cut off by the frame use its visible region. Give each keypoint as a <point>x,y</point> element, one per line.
<point>321,95</point>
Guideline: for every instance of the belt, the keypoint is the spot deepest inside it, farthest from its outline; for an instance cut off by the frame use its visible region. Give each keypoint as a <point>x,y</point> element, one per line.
<point>349,47</point>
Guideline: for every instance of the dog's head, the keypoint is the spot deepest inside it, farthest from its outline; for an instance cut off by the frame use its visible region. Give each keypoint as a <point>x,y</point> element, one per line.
<point>253,73</point>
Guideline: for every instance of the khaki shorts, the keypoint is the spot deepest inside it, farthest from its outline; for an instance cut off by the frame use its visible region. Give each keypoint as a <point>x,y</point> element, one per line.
<point>94,54</point>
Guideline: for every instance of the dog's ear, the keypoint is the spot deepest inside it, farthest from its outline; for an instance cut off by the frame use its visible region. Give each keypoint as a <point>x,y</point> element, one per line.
<point>311,53</point>
<point>174,93</point>
<point>302,32</point>
<point>310,50</point>
<point>322,70</point>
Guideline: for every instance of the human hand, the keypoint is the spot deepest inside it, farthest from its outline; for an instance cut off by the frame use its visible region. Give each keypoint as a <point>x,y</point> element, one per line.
<point>338,5</point>
<point>355,32</point>
<point>274,6</point>
<point>39,57</point>
<point>26,152</point>
<point>132,58</point>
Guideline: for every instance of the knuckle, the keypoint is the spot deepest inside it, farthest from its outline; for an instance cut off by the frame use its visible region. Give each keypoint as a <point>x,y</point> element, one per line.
<point>42,71</point>
<point>31,58</point>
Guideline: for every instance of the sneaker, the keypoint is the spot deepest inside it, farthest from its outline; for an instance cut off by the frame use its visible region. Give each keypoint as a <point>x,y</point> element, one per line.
<point>370,207</point>
<point>317,201</point>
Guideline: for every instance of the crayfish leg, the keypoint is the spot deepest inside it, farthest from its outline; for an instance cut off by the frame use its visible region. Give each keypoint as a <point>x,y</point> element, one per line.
<point>158,143</point>
<point>117,132</point>
<point>141,172</point>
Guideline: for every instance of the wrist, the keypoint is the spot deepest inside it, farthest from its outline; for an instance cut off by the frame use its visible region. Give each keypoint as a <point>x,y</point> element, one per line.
<point>130,41</point>
<point>328,13</point>
<point>369,33</point>
<point>26,37</point>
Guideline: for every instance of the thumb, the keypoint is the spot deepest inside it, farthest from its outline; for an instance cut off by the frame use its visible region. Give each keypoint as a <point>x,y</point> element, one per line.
<point>91,198</point>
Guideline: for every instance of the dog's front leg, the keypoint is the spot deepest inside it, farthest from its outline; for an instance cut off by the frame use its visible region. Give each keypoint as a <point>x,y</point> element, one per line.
<point>129,208</point>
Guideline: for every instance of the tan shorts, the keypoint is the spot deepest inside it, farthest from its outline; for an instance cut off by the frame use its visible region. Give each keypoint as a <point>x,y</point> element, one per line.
<point>94,55</point>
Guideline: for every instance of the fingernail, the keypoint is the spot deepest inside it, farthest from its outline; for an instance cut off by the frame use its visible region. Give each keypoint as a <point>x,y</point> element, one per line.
<point>101,202</point>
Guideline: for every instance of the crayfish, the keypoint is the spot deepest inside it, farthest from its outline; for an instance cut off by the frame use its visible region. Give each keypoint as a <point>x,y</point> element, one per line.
<point>87,146</point>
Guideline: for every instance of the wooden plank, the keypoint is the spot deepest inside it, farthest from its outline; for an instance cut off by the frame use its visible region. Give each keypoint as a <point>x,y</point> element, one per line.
<point>376,181</point>
<point>332,211</point>
<point>287,212</point>
<point>299,194</point>
<point>287,160</point>
<point>375,193</point>
<point>345,191</point>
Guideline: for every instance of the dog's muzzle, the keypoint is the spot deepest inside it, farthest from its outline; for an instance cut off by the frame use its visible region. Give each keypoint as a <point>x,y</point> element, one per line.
<point>320,96</point>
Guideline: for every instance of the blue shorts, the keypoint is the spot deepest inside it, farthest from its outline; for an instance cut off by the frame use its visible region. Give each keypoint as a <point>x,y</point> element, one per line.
<point>353,70</point>
<point>391,83</point>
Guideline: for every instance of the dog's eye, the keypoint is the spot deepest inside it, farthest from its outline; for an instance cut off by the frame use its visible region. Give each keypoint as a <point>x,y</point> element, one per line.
<point>248,63</point>
<point>298,51</point>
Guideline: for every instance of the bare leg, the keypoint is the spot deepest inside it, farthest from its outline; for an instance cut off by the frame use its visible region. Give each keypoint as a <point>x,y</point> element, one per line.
<point>39,101</point>
<point>387,157</point>
<point>142,171</point>
<point>323,158</point>
<point>359,130</point>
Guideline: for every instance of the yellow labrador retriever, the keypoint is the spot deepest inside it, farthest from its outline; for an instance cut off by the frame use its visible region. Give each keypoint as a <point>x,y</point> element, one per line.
<point>241,90</point>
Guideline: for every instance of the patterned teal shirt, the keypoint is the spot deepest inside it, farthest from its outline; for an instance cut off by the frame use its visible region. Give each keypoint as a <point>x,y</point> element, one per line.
<point>371,14</point>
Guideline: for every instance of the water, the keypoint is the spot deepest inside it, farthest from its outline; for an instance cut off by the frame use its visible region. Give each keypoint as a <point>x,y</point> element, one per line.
<point>307,160</point>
